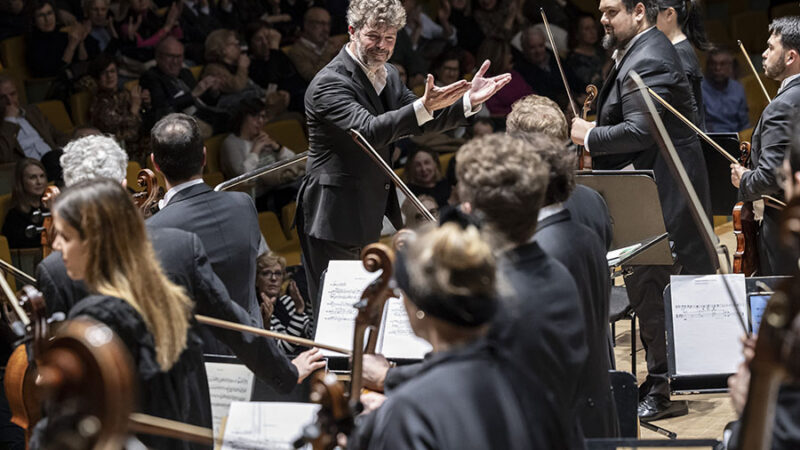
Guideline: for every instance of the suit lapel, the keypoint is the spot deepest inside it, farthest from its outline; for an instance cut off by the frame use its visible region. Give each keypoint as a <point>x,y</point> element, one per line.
<point>615,70</point>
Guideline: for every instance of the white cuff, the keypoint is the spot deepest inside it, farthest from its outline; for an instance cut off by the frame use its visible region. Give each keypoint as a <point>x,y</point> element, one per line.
<point>586,138</point>
<point>468,111</point>
<point>423,116</point>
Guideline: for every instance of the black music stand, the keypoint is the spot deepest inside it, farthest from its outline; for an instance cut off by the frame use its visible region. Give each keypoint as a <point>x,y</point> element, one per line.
<point>635,210</point>
<point>723,194</point>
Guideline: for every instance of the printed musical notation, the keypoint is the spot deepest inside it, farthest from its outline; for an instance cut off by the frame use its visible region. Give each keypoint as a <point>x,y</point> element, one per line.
<point>714,311</point>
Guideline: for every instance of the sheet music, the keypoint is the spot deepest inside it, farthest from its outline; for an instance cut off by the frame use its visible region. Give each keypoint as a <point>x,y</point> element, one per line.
<point>227,383</point>
<point>397,340</point>
<point>266,425</point>
<point>706,332</point>
<point>344,283</point>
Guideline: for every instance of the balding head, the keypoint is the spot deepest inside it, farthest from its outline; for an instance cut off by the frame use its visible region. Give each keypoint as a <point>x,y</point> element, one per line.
<point>533,46</point>
<point>317,25</point>
<point>169,56</point>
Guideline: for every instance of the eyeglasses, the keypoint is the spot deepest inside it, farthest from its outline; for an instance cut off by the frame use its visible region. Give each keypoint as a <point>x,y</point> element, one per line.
<point>271,274</point>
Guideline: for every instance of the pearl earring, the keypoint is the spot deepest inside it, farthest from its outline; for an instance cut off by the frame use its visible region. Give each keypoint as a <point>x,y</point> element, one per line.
<point>420,314</point>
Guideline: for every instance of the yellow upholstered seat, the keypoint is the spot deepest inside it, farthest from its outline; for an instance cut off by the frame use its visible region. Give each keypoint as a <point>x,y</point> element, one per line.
<point>288,133</point>
<point>57,115</point>
<point>213,147</point>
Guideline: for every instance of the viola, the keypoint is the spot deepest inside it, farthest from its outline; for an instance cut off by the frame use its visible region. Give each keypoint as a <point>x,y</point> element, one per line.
<point>584,158</point>
<point>745,229</point>
<point>147,199</point>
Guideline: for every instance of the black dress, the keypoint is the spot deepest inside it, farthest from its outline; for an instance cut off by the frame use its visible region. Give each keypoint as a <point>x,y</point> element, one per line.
<point>14,229</point>
<point>440,191</point>
<point>280,70</point>
<point>466,398</point>
<point>692,68</point>
<point>179,394</point>
<point>44,52</point>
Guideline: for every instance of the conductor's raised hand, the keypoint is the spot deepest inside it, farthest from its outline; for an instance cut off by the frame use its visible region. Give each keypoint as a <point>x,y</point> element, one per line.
<point>484,88</point>
<point>436,98</point>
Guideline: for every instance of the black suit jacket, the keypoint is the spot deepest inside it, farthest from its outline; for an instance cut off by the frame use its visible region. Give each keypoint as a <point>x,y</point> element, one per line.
<point>589,208</point>
<point>227,224</point>
<point>582,253</point>
<point>185,263</point>
<point>623,135</point>
<point>166,94</point>
<point>344,194</point>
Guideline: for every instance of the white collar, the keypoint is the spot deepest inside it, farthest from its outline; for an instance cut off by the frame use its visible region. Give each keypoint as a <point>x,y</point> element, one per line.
<point>376,77</point>
<point>550,210</point>
<point>175,189</point>
<point>620,53</point>
<point>788,80</point>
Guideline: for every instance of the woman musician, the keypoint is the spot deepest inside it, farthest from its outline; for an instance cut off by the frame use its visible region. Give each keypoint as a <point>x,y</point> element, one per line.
<point>463,395</point>
<point>102,240</point>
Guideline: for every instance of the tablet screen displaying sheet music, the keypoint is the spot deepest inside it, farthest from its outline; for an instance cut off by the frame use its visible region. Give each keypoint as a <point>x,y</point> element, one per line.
<point>344,283</point>
<point>756,304</point>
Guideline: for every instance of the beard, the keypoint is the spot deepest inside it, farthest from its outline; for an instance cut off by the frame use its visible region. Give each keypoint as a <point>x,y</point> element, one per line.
<point>609,41</point>
<point>372,58</point>
<point>773,71</point>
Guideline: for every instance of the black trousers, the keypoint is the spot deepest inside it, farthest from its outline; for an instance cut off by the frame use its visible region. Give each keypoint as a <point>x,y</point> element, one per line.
<point>772,259</point>
<point>645,288</point>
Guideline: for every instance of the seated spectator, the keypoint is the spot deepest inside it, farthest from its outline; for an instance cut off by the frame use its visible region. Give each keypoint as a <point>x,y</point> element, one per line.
<point>723,96</point>
<point>173,89</point>
<point>414,218</point>
<point>49,50</point>
<point>141,29</point>
<point>26,133</point>
<point>468,32</point>
<point>499,52</point>
<point>118,111</point>
<point>26,197</point>
<point>315,48</point>
<point>288,313</point>
<point>538,67</point>
<point>586,59</point>
<point>102,38</point>
<point>13,20</point>
<point>446,68</point>
<point>425,177</point>
<point>226,62</point>
<point>83,131</point>
<point>248,147</point>
<point>197,21</point>
<point>429,37</point>
<point>481,127</point>
<point>271,69</point>
<point>499,19</point>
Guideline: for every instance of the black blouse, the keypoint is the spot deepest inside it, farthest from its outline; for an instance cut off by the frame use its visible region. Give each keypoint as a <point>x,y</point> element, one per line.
<point>14,229</point>
<point>440,191</point>
<point>691,66</point>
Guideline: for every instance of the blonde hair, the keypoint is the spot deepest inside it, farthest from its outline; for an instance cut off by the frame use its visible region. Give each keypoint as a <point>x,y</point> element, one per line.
<point>270,259</point>
<point>215,44</point>
<point>538,114</point>
<point>121,262</point>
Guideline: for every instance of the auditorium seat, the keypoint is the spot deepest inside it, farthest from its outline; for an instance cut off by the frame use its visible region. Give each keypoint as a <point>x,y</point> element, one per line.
<point>12,54</point>
<point>271,229</point>
<point>752,29</point>
<point>786,9</point>
<point>79,103</point>
<point>196,71</point>
<point>5,255</point>
<point>213,147</point>
<point>57,115</point>
<point>288,133</point>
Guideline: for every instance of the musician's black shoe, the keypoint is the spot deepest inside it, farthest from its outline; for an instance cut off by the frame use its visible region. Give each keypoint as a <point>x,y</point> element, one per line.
<point>655,407</point>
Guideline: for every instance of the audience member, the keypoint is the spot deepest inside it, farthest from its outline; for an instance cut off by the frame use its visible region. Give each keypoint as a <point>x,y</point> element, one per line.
<point>272,69</point>
<point>499,19</point>
<point>468,32</point>
<point>288,313</point>
<point>26,197</point>
<point>49,50</point>
<point>13,20</point>
<point>173,89</point>
<point>586,59</point>
<point>413,217</point>
<point>723,96</point>
<point>538,67</point>
<point>141,29</point>
<point>226,63</point>
<point>429,37</point>
<point>482,127</point>
<point>424,176</point>
<point>118,111</point>
<point>499,52</point>
<point>446,68</point>
<point>197,21</point>
<point>315,47</point>
<point>249,147</point>
<point>26,133</point>
<point>102,38</point>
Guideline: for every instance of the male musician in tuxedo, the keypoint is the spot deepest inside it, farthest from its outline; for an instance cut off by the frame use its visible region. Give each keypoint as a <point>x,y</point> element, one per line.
<point>579,249</point>
<point>541,322</point>
<point>185,262</point>
<point>771,138</point>
<point>344,194</point>
<point>621,137</point>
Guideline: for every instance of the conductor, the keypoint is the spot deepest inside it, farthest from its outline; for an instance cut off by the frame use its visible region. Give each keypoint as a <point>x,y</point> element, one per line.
<point>344,195</point>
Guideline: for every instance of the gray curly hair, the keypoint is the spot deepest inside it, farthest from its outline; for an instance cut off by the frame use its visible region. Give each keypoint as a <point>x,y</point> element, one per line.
<point>376,13</point>
<point>91,157</point>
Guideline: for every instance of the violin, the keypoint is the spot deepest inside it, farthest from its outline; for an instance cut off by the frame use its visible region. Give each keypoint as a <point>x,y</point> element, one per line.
<point>338,408</point>
<point>777,347</point>
<point>45,221</point>
<point>147,199</point>
<point>745,229</point>
<point>584,158</point>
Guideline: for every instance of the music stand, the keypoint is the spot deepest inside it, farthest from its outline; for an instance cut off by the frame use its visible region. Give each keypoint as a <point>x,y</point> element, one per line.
<point>723,194</point>
<point>635,210</point>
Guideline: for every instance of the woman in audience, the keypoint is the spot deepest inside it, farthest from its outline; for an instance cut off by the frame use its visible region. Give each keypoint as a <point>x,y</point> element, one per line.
<point>49,50</point>
<point>226,62</point>
<point>102,36</point>
<point>271,69</point>
<point>499,52</point>
<point>424,176</point>
<point>413,217</point>
<point>141,29</point>
<point>288,313</point>
<point>102,239</point>
<point>586,60</point>
<point>250,147</point>
<point>118,111</point>
<point>30,181</point>
<point>465,393</point>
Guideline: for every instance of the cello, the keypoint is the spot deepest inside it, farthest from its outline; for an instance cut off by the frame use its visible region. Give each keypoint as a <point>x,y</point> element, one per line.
<point>745,229</point>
